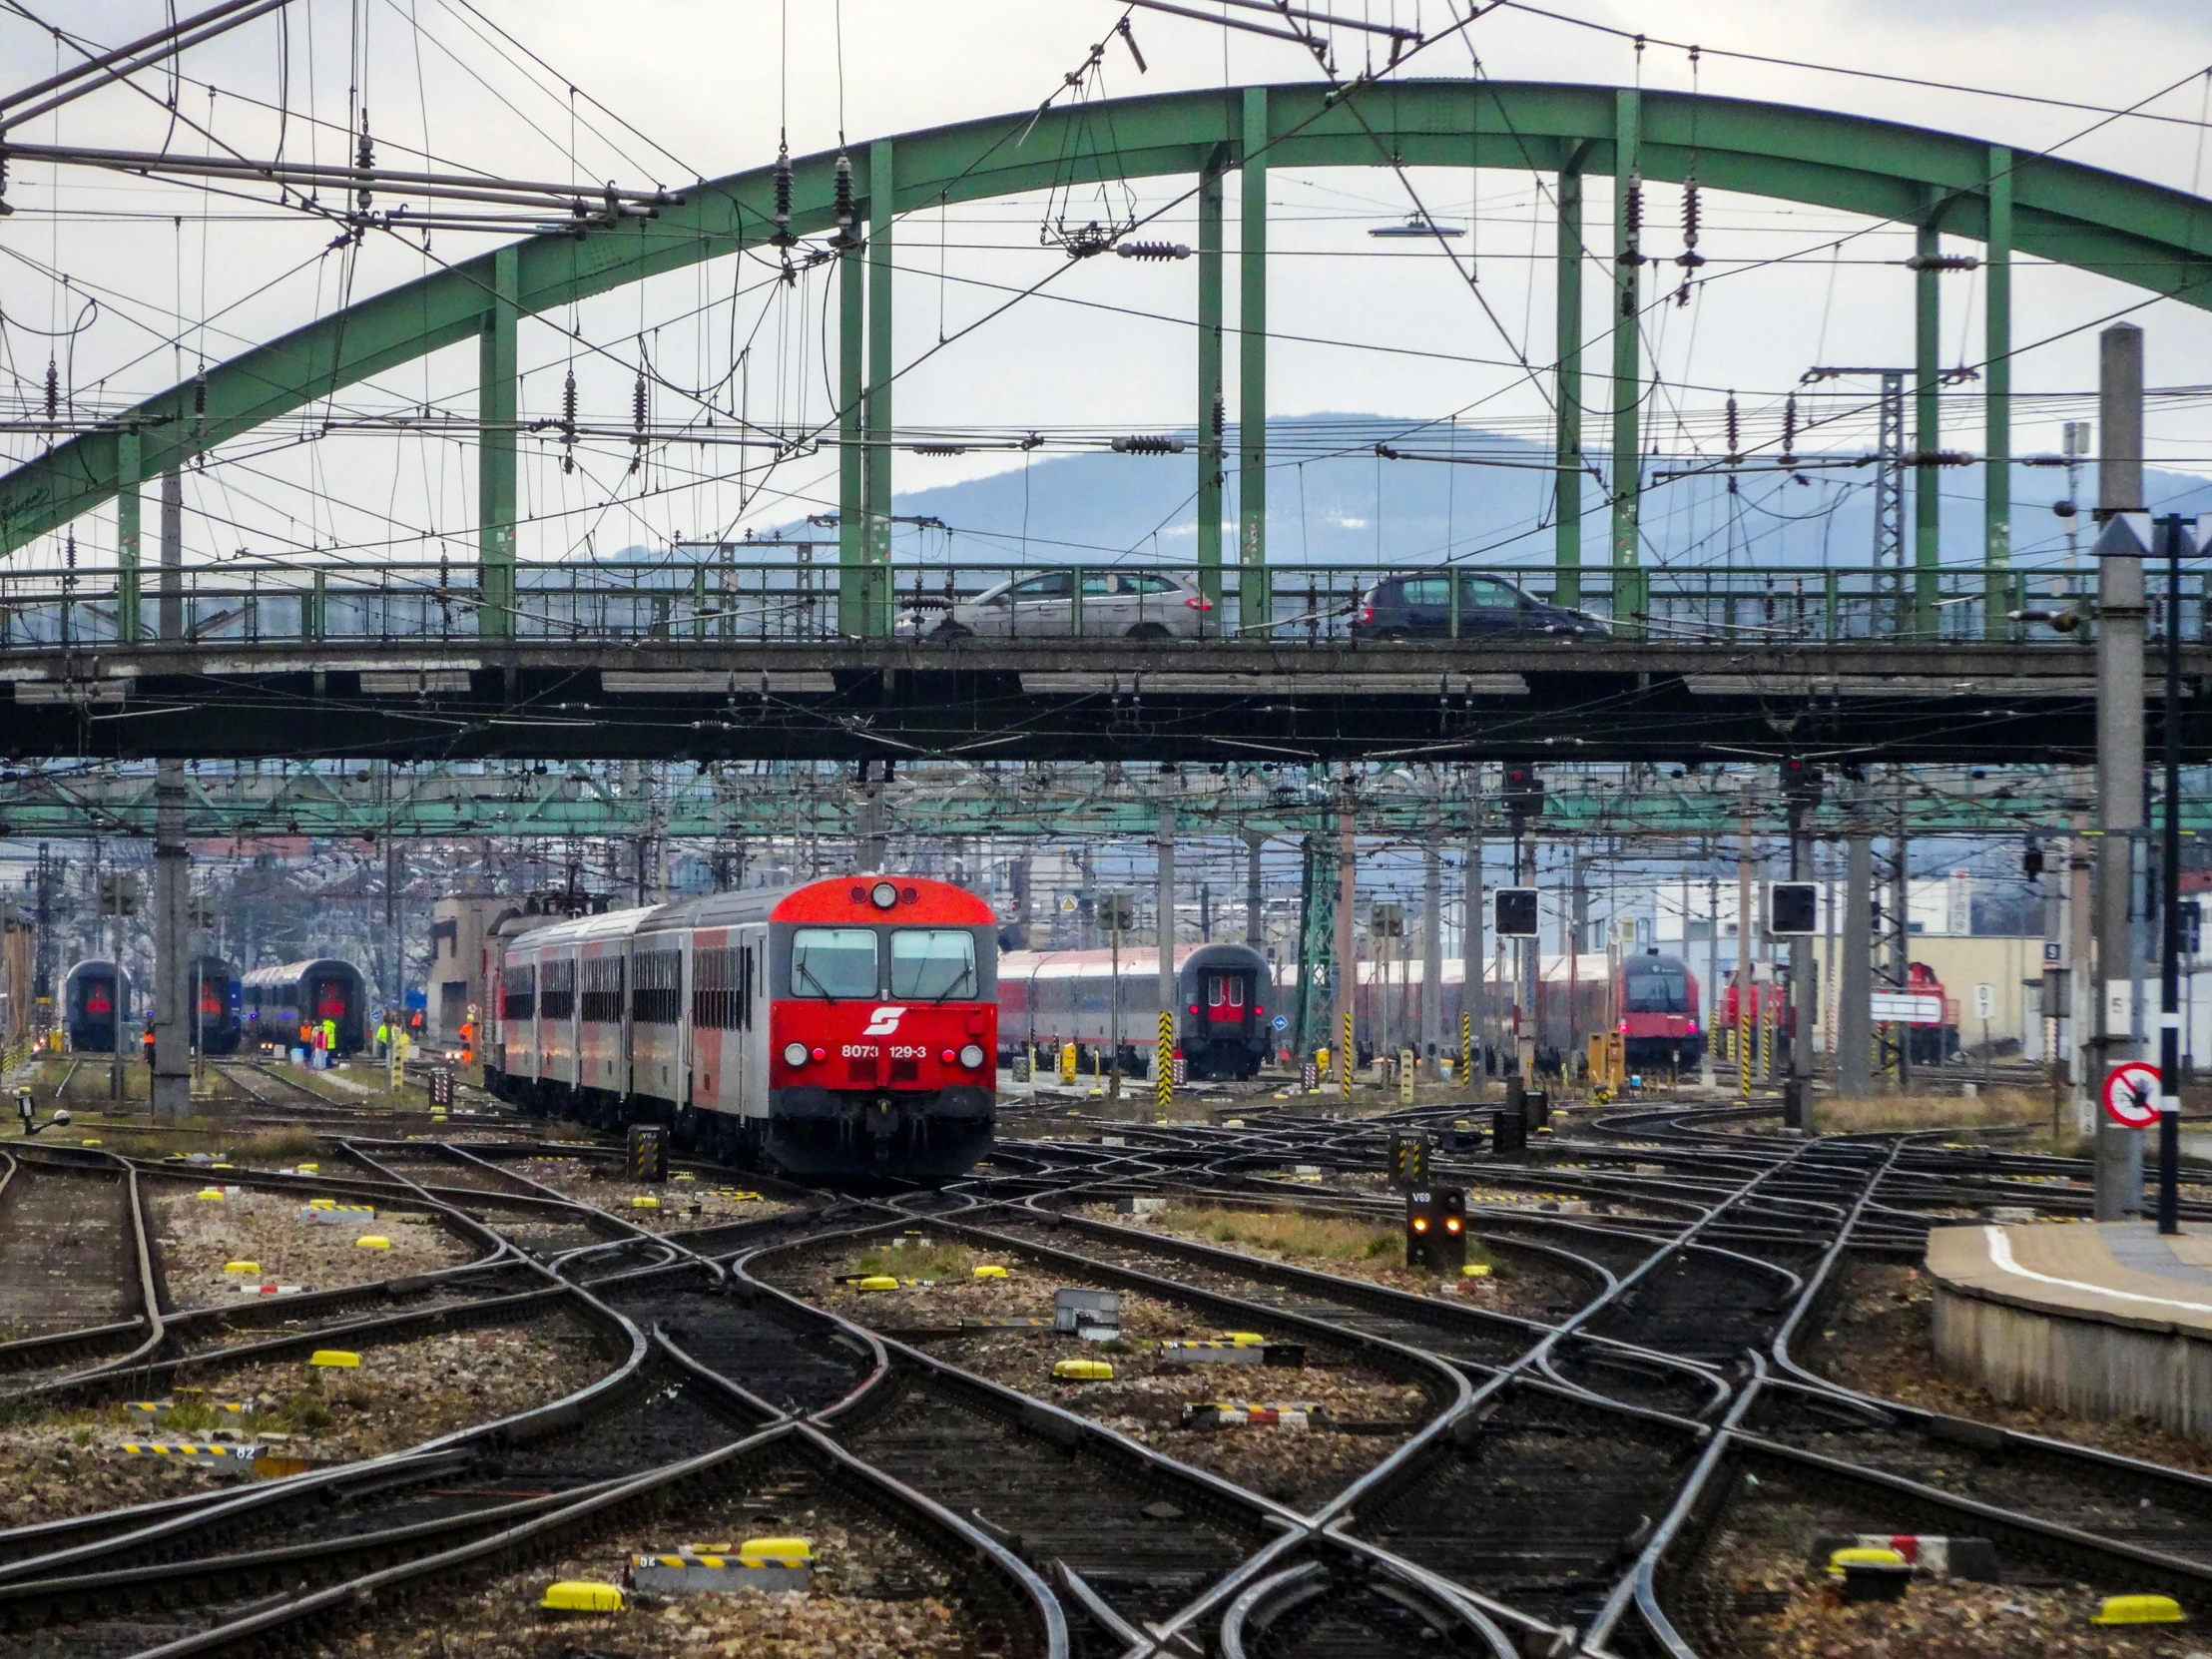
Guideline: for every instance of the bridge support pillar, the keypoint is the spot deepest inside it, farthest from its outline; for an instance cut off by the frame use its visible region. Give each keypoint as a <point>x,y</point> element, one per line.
<point>127,532</point>
<point>1566,533</point>
<point>881,370</point>
<point>172,1091</point>
<point>1212,420</point>
<point>1996,385</point>
<point>851,459</point>
<point>1928,429</point>
<point>1627,490</point>
<point>168,616</point>
<point>496,370</point>
<point>1254,603</point>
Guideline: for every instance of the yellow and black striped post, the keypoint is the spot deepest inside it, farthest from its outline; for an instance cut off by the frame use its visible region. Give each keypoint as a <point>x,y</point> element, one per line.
<point>1766,1037</point>
<point>1344,1057</point>
<point>1466,1049</point>
<point>1163,1064</point>
<point>1742,1043</point>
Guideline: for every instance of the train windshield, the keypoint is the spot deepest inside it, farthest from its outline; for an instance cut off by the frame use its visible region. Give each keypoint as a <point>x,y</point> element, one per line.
<point>933,962</point>
<point>1658,987</point>
<point>831,963</point>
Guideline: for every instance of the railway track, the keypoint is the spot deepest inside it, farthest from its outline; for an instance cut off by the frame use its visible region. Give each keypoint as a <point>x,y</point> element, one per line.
<point>1552,1502</point>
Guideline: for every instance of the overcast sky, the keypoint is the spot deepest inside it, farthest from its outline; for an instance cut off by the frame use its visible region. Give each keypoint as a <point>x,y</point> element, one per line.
<point>672,87</point>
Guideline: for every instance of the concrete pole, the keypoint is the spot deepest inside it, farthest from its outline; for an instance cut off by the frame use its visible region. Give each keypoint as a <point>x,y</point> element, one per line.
<point>172,1091</point>
<point>2080,991</point>
<point>1801,969</point>
<point>1712,981</point>
<point>1855,980</point>
<point>1431,950</point>
<point>1348,962</point>
<point>1168,1003</point>
<point>2120,618</point>
<point>1746,1032</point>
<point>1475,1003</point>
<point>1256,915</point>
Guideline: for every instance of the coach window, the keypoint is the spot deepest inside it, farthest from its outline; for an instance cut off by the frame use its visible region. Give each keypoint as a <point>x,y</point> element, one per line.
<point>933,962</point>
<point>830,962</point>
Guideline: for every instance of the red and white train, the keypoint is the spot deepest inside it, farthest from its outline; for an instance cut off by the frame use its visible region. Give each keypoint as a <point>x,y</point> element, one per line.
<point>848,1027</point>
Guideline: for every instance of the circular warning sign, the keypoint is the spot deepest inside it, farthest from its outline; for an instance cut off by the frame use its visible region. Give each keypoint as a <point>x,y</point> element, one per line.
<point>2131,1094</point>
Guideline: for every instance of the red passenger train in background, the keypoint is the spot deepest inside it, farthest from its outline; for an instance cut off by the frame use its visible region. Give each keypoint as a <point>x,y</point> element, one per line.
<point>848,1027</point>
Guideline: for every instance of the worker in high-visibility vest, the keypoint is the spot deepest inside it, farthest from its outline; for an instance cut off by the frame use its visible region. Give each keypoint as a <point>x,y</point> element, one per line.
<point>468,1042</point>
<point>383,1039</point>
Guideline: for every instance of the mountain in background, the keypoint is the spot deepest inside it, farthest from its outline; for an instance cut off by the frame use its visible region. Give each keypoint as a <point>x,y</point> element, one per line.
<point>1334,500</point>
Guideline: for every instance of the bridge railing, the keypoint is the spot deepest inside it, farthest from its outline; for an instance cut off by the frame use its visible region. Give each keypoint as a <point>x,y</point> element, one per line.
<point>735,600</point>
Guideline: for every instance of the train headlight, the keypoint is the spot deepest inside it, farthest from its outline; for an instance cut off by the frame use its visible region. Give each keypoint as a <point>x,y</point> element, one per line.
<point>883,894</point>
<point>795,1054</point>
<point>972,1056</point>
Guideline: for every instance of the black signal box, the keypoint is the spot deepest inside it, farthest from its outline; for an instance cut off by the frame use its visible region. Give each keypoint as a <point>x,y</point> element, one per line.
<point>1517,912</point>
<point>1437,1229</point>
<point>1793,909</point>
<point>1409,1159</point>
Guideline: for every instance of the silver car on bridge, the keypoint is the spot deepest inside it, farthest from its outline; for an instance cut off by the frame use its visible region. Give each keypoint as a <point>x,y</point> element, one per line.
<point>1063,604</point>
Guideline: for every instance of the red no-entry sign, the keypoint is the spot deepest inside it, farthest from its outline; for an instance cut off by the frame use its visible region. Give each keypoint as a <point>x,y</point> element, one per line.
<point>2131,1092</point>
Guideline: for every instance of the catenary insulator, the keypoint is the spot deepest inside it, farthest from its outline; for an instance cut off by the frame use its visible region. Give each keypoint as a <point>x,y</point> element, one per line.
<point>783,237</point>
<point>568,423</point>
<point>1220,415</point>
<point>53,390</point>
<point>1942,262</point>
<point>1151,250</point>
<point>1735,441</point>
<point>845,198</point>
<point>1789,430</point>
<point>1147,444</point>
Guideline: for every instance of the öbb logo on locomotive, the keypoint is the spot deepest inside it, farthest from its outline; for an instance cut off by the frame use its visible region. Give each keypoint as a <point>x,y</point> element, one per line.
<point>885,1023</point>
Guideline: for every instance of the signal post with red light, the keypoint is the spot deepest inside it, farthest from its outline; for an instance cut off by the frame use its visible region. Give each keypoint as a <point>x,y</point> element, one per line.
<point>1437,1229</point>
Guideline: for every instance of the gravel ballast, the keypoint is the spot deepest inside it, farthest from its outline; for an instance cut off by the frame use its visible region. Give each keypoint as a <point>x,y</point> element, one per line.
<point>72,1463</point>
<point>1148,1391</point>
<point>197,1237</point>
<point>874,1596</point>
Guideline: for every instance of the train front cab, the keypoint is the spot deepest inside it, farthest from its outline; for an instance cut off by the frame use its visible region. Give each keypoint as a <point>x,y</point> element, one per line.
<point>89,1000</point>
<point>882,1029</point>
<point>1222,1026</point>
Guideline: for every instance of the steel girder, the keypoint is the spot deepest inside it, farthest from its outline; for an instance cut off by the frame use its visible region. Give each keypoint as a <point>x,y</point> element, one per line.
<point>2139,233</point>
<point>946,799</point>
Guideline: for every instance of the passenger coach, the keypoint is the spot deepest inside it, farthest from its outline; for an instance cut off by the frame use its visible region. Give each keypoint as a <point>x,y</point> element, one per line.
<point>846,1027</point>
<point>276,1001</point>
